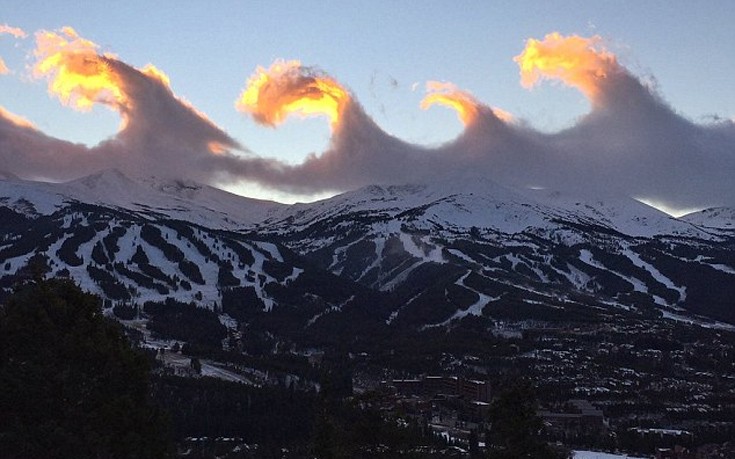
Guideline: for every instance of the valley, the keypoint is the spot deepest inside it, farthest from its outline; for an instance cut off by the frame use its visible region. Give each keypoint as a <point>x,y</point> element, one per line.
<point>606,300</point>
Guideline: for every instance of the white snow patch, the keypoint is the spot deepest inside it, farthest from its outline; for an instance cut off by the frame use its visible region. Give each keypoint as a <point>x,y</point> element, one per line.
<point>271,249</point>
<point>723,268</point>
<point>294,275</point>
<point>228,321</point>
<point>379,246</point>
<point>599,455</point>
<point>395,313</point>
<point>636,260</point>
<point>212,370</point>
<point>586,256</point>
<point>429,251</point>
<point>462,255</point>
<point>474,309</point>
<point>690,320</point>
<point>402,276</point>
<point>578,278</point>
<point>336,308</point>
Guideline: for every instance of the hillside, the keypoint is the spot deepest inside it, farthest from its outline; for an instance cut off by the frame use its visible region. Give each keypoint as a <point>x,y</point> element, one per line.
<point>434,253</point>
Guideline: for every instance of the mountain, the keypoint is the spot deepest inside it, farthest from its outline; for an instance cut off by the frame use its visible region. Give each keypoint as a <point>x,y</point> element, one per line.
<point>476,201</point>
<point>131,242</point>
<point>464,247</point>
<point>600,298</point>
<point>715,217</point>
<point>149,197</point>
<point>417,256</point>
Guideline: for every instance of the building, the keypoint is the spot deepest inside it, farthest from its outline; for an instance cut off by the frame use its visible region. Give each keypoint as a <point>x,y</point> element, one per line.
<point>451,386</point>
<point>578,419</point>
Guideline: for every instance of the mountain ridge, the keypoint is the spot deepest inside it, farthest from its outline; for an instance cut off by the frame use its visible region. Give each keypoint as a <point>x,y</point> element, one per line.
<point>186,200</point>
<point>434,253</point>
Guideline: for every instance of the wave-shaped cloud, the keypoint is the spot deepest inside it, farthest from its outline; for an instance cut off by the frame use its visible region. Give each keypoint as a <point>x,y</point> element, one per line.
<point>630,142</point>
<point>159,133</point>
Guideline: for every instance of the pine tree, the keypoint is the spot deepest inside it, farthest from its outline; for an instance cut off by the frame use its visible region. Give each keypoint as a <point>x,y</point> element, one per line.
<point>71,384</point>
<point>196,365</point>
<point>516,426</point>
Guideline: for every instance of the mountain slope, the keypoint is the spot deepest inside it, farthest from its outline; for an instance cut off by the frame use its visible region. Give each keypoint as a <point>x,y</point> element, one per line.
<point>460,249</point>
<point>149,197</point>
<point>715,217</point>
<point>415,255</point>
<point>130,260</point>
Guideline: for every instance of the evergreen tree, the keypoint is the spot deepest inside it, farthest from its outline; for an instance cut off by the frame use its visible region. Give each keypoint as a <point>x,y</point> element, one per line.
<point>71,384</point>
<point>516,426</point>
<point>196,365</point>
<point>336,375</point>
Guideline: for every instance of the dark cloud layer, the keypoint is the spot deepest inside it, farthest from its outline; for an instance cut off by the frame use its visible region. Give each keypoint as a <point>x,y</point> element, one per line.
<point>631,142</point>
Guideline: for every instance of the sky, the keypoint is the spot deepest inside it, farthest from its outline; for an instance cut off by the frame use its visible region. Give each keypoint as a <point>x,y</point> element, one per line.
<point>383,53</point>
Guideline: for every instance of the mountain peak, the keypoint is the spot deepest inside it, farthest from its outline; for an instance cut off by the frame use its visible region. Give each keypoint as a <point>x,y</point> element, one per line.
<point>178,199</point>
<point>103,179</point>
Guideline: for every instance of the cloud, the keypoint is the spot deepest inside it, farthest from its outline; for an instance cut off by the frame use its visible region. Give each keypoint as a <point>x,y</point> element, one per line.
<point>576,61</point>
<point>14,31</point>
<point>631,142</point>
<point>360,152</point>
<point>76,73</point>
<point>287,88</point>
<point>17,120</point>
<point>450,95</point>
<point>160,134</point>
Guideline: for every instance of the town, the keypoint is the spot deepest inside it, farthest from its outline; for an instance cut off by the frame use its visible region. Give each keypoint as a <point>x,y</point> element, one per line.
<point>651,387</point>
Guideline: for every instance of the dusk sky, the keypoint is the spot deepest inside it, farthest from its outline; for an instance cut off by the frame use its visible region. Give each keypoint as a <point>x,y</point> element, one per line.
<point>382,53</point>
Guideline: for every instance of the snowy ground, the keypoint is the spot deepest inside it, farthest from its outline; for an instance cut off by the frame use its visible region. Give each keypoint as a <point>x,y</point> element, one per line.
<point>599,455</point>
<point>181,362</point>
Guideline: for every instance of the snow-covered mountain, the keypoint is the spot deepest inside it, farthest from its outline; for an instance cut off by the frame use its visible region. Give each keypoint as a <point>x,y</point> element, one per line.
<point>417,255</point>
<point>463,246</point>
<point>459,205</point>
<point>148,196</point>
<point>715,217</point>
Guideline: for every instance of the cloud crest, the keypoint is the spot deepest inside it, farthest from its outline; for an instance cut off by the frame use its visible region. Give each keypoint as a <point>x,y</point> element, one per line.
<point>159,134</point>
<point>287,88</point>
<point>14,32</point>
<point>631,142</point>
<point>579,62</point>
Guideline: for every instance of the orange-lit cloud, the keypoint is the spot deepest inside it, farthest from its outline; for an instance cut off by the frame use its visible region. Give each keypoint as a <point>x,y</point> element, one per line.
<point>620,147</point>
<point>160,134</point>
<point>17,120</point>
<point>217,148</point>
<point>503,115</point>
<point>631,142</point>
<point>577,61</point>
<point>449,95</point>
<point>17,33</point>
<point>14,31</point>
<point>80,75</point>
<point>467,107</point>
<point>287,88</point>
<point>77,74</point>
<point>154,72</point>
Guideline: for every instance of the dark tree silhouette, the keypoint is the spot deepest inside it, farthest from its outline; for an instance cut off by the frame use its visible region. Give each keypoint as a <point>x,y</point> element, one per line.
<point>71,384</point>
<point>516,426</point>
